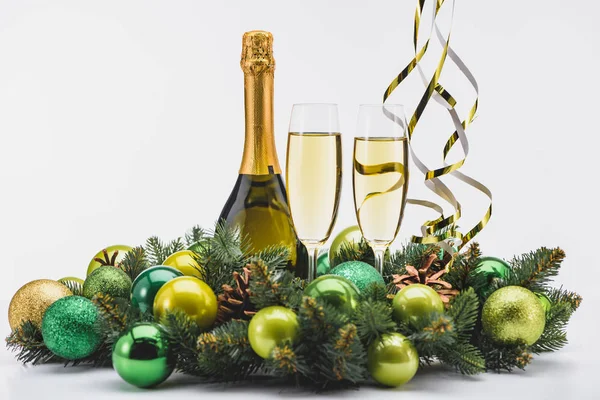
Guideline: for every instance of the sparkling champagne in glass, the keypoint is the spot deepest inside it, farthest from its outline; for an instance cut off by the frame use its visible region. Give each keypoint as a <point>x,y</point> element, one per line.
<point>380,175</point>
<point>314,175</point>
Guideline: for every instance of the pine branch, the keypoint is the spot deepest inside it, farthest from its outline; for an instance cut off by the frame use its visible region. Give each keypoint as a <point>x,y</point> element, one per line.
<point>503,358</point>
<point>461,276</point>
<point>225,355</point>
<point>135,262</point>
<point>464,311</point>
<point>28,343</point>
<point>564,296</point>
<point>432,334</point>
<point>157,251</point>
<point>346,357</point>
<point>554,336</point>
<point>464,357</point>
<point>535,270</point>
<point>353,251</point>
<point>276,257</point>
<point>75,287</point>
<point>373,319</point>
<point>195,235</point>
<point>269,287</point>
<point>182,333</point>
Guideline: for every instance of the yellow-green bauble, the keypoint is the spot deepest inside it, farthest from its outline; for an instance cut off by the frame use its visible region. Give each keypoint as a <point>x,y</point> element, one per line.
<point>32,299</point>
<point>185,262</point>
<point>512,315</point>
<point>107,280</point>
<point>190,295</point>
<point>271,327</point>
<point>416,301</point>
<point>350,236</point>
<point>392,360</point>
<point>114,255</point>
<point>335,290</point>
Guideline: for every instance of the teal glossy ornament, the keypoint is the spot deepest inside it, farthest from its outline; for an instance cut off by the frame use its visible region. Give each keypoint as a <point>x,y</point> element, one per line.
<point>358,272</point>
<point>68,328</point>
<point>392,360</point>
<point>107,280</point>
<point>147,284</point>
<point>142,356</point>
<point>335,290</point>
<point>323,266</point>
<point>416,301</point>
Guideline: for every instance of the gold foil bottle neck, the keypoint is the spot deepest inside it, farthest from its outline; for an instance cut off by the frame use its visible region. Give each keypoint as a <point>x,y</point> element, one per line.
<point>257,52</point>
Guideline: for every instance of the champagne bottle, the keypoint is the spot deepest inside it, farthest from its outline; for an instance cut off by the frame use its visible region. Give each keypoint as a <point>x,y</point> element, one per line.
<point>258,204</point>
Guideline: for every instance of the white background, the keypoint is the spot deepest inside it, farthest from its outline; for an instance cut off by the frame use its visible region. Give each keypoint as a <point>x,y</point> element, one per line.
<point>124,119</point>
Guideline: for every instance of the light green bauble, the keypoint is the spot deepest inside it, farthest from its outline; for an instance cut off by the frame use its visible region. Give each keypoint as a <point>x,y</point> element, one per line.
<point>335,290</point>
<point>107,280</point>
<point>358,272</point>
<point>392,360</point>
<point>416,301</point>
<point>69,328</point>
<point>112,255</point>
<point>512,315</point>
<point>142,356</point>
<point>271,327</point>
<point>545,302</point>
<point>350,236</point>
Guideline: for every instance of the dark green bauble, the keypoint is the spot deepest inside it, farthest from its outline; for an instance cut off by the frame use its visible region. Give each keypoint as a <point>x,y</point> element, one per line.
<point>493,267</point>
<point>323,266</point>
<point>416,301</point>
<point>513,314</point>
<point>142,356</point>
<point>108,280</point>
<point>358,272</point>
<point>545,302</point>
<point>147,284</point>
<point>335,290</point>
<point>68,328</point>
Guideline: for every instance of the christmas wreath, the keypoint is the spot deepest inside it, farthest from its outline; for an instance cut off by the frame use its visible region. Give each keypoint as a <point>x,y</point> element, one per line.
<point>206,305</point>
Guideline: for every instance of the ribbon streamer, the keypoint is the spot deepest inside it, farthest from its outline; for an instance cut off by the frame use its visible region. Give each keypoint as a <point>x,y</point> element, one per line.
<point>434,89</point>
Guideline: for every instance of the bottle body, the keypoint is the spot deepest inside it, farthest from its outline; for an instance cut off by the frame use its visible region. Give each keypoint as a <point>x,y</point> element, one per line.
<point>258,203</point>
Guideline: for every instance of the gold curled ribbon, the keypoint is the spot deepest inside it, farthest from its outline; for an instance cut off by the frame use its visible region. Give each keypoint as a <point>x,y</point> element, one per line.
<point>379,169</point>
<point>434,89</point>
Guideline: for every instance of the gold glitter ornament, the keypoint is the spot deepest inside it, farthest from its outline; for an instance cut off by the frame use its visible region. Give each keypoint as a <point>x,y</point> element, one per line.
<point>513,314</point>
<point>32,299</point>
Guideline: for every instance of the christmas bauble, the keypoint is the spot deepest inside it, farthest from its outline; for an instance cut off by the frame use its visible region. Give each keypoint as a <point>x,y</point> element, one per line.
<point>493,267</point>
<point>32,299</point>
<point>114,255</point>
<point>107,280</point>
<point>71,279</point>
<point>513,314</point>
<point>358,272</point>
<point>190,295</point>
<point>392,360</point>
<point>184,262</point>
<point>545,302</point>
<point>147,284</point>
<point>68,328</point>
<point>196,247</point>
<point>335,290</point>
<point>270,327</point>
<point>142,356</point>
<point>416,301</point>
<point>323,266</point>
<point>350,236</point>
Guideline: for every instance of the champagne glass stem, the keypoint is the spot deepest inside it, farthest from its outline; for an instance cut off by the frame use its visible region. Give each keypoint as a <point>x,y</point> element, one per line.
<point>313,255</point>
<point>379,256</point>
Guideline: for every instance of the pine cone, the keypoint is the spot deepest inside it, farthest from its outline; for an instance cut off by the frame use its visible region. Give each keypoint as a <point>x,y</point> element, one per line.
<point>426,276</point>
<point>234,303</point>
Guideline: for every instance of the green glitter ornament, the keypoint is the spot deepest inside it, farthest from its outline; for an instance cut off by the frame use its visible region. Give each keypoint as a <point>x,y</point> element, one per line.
<point>358,272</point>
<point>323,266</point>
<point>335,290</point>
<point>513,314</point>
<point>68,328</point>
<point>147,284</point>
<point>107,280</point>
<point>142,356</point>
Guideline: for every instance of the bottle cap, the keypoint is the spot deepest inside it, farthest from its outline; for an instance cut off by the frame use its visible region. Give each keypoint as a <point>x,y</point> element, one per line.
<point>257,52</point>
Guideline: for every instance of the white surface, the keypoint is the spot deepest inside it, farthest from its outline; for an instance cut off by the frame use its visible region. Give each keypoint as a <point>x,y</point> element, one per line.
<point>123,119</point>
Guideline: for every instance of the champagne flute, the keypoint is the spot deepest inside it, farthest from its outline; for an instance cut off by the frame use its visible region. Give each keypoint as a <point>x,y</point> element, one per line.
<point>314,175</point>
<point>380,175</point>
